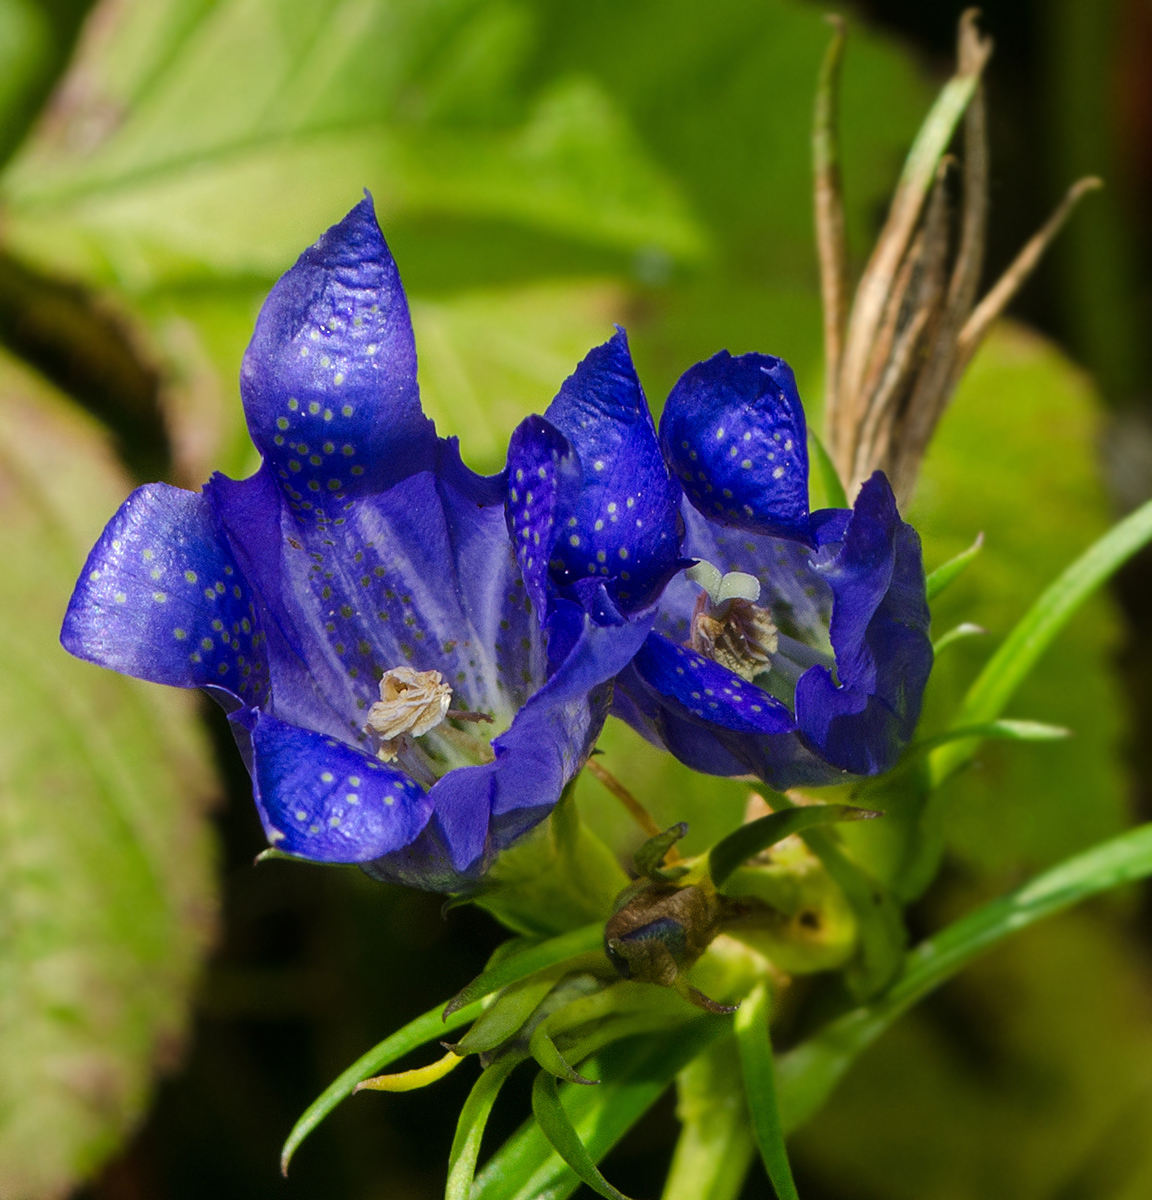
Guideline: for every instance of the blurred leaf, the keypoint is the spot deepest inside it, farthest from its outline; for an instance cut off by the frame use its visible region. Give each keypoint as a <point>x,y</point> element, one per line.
<point>25,45</point>
<point>488,359</point>
<point>1018,654</point>
<point>109,898</point>
<point>716,1146</point>
<point>195,139</point>
<point>1038,1080</point>
<point>947,573</point>
<point>983,472</point>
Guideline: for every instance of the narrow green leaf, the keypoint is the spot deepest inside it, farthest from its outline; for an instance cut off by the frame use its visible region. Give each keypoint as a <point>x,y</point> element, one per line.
<point>470,1128</point>
<point>648,859</point>
<point>808,1073</point>
<point>755,1047</point>
<point>947,573</point>
<point>716,1143</point>
<point>634,1074</point>
<point>508,1013</point>
<point>544,1051</point>
<point>425,1028</point>
<point>433,1024</point>
<point>956,634</point>
<point>758,835</point>
<point>1035,632</point>
<point>827,477</point>
<point>1004,730</point>
<point>558,1129</point>
<point>528,962</point>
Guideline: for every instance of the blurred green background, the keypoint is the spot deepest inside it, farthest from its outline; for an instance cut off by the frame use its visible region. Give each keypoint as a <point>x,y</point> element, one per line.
<point>541,170</point>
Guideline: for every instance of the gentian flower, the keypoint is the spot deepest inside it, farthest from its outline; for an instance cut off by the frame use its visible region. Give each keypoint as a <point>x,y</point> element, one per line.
<point>796,649</point>
<point>356,605</point>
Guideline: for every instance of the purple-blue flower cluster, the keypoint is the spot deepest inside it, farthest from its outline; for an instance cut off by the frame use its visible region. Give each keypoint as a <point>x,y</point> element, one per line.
<point>363,549</point>
<point>417,660</point>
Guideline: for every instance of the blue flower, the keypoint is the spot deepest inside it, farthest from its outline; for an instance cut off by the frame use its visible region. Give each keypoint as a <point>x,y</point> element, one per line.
<point>797,647</point>
<point>356,605</point>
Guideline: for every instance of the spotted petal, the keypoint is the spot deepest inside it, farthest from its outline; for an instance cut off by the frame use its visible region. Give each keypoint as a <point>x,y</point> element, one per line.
<point>733,432</point>
<point>329,379</point>
<point>880,619</point>
<point>624,527</point>
<point>699,688</point>
<point>161,598</point>
<point>543,475</point>
<point>479,810</point>
<point>326,801</point>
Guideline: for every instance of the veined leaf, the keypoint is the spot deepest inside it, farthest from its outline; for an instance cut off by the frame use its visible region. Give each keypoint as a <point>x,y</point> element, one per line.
<point>109,894</point>
<point>219,139</point>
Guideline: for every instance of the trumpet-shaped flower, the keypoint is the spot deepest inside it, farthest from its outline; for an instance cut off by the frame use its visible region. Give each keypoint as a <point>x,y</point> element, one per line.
<point>797,647</point>
<point>402,692</point>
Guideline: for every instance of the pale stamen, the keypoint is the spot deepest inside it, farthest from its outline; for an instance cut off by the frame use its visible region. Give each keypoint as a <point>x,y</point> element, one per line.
<point>728,626</point>
<point>411,703</point>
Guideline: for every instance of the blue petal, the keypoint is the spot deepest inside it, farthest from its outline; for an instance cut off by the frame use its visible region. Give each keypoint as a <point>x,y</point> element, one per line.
<point>480,810</point>
<point>799,599</point>
<point>329,379</point>
<point>418,575</point>
<point>879,633</point>
<point>780,759</point>
<point>543,477</point>
<point>162,598</point>
<point>733,432</point>
<point>326,801</point>
<point>696,687</point>
<point>624,528</point>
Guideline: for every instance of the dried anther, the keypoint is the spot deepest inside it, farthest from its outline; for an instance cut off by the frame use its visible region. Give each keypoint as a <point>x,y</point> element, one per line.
<point>728,626</point>
<point>893,361</point>
<point>411,703</point>
<point>741,636</point>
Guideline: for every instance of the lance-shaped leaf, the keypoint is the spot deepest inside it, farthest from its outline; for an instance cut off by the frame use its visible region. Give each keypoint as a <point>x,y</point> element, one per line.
<point>760,1087</point>
<point>109,896</point>
<point>1036,631</point>
<point>558,1129</point>
<point>633,1077</point>
<point>470,1128</point>
<point>433,1024</point>
<point>947,573</point>
<point>758,835</point>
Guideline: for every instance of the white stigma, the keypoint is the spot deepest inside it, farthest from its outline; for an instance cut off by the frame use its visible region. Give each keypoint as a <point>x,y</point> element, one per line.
<point>736,585</point>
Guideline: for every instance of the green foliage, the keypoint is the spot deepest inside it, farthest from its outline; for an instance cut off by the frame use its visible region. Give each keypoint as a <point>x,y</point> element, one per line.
<point>538,180</point>
<point>757,1065</point>
<point>108,900</point>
